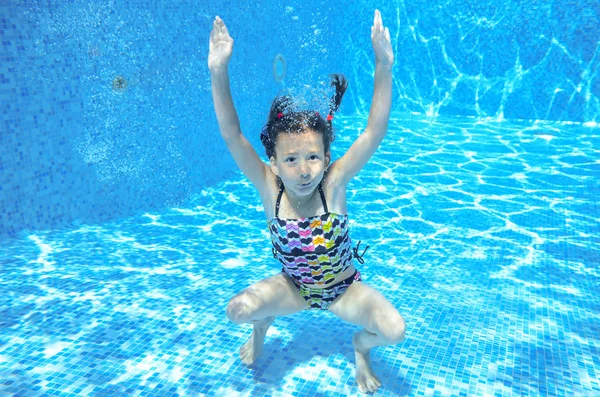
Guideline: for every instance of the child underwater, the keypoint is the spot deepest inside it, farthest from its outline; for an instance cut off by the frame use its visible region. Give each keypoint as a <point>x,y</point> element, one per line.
<point>304,197</point>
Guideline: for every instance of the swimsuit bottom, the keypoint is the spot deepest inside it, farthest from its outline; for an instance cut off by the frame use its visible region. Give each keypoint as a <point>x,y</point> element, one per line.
<point>322,298</point>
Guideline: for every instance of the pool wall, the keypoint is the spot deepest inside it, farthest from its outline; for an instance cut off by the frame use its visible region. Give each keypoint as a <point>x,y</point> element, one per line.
<point>532,60</point>
<point>106,107</point>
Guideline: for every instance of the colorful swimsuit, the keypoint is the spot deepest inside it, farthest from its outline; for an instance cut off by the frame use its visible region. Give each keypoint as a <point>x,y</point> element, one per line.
<point>314,250</point>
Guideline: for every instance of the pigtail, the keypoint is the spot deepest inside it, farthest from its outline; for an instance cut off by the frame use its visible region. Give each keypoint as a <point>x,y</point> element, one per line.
<point>341,84</point>
<point>280,105</point>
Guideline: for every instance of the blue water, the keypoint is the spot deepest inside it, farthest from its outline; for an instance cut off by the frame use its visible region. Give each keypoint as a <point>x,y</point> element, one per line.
<point>125,228</point>
<point>484,235</point>
<point>72,149</point>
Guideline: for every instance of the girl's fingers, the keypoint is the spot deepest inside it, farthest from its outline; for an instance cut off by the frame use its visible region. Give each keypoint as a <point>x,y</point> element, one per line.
<point>375,19</point>
<point>218,24</point>
<point>213,33</point>
<point>378,22</point>
<point>387,35</point>
<point>224,30</point>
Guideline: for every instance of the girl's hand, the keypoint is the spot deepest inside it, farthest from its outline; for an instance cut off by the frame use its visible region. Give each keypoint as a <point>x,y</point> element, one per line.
<point>220,45</point>
<point>382,45</point>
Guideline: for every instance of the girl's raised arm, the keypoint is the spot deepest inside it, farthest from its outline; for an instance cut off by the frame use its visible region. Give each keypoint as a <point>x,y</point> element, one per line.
<point>367,143</point>
<point>221,48</point>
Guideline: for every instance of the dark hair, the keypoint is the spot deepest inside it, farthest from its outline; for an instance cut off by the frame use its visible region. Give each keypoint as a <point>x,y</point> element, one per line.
<point>283,119</point>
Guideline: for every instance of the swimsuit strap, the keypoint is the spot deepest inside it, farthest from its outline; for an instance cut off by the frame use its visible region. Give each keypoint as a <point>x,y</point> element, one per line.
<point>323,198</point>
<point>281,193</point>
<point>278,200</point>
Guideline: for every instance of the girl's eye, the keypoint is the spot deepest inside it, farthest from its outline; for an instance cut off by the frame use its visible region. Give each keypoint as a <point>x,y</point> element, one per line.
<point>314,157</point>
<point>290,159</point>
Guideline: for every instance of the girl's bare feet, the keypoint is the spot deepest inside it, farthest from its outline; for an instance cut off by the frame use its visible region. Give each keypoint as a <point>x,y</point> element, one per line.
<point>365,379</point>
<point>250,351</point>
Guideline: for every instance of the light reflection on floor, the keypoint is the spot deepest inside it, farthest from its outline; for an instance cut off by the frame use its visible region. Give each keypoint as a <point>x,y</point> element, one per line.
<point>484,235</point>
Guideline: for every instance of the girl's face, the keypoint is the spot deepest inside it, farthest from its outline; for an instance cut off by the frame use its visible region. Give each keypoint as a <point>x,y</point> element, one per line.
<point>301,161</point>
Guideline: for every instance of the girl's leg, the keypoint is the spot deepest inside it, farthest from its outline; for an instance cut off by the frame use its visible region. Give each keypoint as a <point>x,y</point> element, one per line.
<point>362,305</point>
<point>258,305</point>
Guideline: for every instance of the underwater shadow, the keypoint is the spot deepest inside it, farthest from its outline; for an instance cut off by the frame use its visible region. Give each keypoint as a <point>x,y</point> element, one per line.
<point>317,340</point>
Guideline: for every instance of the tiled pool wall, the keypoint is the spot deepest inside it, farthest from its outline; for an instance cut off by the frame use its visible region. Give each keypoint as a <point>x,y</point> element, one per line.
<point>532,60</point>
<point>106,107</point>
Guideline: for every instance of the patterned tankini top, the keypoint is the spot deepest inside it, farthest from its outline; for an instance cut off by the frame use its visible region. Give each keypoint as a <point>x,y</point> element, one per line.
<point>312,250</point>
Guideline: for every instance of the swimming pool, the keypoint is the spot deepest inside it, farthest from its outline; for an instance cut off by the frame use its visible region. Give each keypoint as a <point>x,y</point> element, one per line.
<point>484,235</point>
<point>118,255</point>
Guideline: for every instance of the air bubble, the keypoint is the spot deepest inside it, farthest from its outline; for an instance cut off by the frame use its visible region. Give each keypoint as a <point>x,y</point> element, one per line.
<point>279,68</point>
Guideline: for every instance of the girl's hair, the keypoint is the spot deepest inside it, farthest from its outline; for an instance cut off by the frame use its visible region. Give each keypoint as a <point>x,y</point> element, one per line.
<point>283,119</point>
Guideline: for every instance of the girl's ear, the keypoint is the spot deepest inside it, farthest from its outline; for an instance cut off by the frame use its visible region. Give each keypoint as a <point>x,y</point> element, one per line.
<point>273,164</point>
<point>327,159</point>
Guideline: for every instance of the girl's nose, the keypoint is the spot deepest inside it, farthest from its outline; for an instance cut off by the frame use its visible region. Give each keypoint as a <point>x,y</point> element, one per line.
<point>304,170</point>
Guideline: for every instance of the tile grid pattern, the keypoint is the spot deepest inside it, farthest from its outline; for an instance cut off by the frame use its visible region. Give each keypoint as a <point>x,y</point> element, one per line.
<point>500,297</point>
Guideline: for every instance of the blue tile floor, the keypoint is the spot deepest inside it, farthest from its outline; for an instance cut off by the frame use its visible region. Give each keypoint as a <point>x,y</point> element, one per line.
<point>485,236</point>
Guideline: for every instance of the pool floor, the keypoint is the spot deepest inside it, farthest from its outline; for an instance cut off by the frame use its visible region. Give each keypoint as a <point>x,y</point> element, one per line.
<point>484,236</point>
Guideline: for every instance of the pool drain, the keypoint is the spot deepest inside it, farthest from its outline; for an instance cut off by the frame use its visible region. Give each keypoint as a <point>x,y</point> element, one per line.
<point>119,84</point>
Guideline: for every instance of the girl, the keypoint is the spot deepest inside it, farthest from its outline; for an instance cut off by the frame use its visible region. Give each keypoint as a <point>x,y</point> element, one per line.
<point>304,196</point>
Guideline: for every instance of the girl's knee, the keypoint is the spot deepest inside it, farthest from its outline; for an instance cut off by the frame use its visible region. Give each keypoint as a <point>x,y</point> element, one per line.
<point>393,328</point>
<point>240,309</point>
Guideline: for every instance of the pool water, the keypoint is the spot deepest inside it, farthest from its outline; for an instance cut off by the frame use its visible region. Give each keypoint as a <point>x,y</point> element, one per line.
<point>484,235</point>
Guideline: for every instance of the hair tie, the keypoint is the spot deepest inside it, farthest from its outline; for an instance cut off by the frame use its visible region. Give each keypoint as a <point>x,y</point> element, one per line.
<point>279,115</point>
<point>317,114</point>
<point>329,117</point>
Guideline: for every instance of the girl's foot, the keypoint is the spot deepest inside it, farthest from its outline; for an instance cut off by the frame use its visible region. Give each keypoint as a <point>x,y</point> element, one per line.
<point>250,351</point>
<point>365,379</point>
